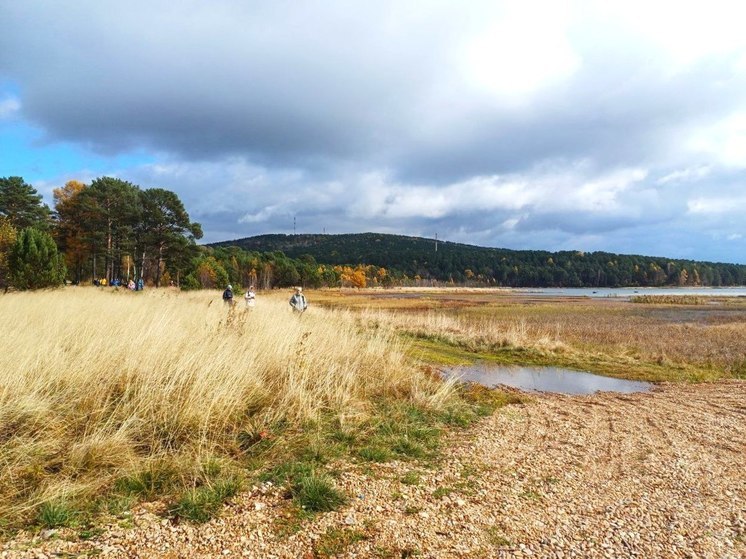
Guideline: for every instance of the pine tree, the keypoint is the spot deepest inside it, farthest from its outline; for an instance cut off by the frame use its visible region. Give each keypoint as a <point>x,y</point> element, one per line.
<point>7,240</point>
<point>34,261</point>
<point>21,204</point>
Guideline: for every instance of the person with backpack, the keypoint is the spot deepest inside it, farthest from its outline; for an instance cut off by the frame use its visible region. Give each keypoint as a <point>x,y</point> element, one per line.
<point>228,296</point>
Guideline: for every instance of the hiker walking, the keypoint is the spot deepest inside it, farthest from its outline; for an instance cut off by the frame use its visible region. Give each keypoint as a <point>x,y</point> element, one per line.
<point>228,296</point>
<point>298,301</point>
<point>250,297</point>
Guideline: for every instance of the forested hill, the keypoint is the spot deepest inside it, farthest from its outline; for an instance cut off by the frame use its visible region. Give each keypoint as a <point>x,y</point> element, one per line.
<point>416,258</point>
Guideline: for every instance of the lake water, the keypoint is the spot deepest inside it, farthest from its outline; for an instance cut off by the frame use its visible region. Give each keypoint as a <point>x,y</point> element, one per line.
<point>544,379</point>
<point>633,291</point>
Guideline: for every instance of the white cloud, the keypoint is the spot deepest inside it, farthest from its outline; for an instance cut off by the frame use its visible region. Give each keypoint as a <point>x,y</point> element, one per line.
<point>723,141</point>
<point>717,205</point>
<point>686,175</point>
<point>9,107</point>
<point>515,53</point>
<point>261,216</point>
<point>686,32</point>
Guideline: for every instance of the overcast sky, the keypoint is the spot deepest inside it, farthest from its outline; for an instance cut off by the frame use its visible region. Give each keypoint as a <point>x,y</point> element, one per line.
<point>616,126</point>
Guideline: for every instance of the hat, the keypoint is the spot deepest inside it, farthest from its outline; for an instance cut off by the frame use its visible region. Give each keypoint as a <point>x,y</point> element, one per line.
<point>230,287</point>
<point>299,289</point>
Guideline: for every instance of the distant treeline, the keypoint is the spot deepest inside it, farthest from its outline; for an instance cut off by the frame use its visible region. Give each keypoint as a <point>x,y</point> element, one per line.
<point>414,260</point>
<point>114,230</point>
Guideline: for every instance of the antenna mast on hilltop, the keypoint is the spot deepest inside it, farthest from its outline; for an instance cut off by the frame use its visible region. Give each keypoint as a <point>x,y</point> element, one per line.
<point>293,226</point>
<point>436,242</point>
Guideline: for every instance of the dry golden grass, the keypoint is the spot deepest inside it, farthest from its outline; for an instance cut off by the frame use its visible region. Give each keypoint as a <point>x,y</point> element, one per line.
<point>474,332</point>
<point>97,383</point>
<point>638,340</point>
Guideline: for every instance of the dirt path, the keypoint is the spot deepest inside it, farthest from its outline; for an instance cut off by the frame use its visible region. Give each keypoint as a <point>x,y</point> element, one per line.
<point>661,474</point>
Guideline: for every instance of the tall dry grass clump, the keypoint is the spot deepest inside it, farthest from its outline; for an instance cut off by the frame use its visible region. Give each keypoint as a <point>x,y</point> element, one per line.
<point>97,383</point>
<point>473,332</point>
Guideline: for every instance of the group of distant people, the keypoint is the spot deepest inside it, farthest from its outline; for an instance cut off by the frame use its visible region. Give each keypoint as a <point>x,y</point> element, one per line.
<point>131,284</point>
<point>298,301</point>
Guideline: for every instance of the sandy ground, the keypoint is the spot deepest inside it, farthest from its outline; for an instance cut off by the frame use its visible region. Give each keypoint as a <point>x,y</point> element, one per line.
<point>659,474</point>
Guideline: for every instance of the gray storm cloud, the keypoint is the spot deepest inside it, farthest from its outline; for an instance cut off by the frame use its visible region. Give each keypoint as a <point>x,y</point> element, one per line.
<point>530,127</point>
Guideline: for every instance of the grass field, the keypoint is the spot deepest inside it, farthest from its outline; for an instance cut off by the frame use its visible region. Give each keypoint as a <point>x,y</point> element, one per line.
<point>109,397</point>
<point>137,395</point>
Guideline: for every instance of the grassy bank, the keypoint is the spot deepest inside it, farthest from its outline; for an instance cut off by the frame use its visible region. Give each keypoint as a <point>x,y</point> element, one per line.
<point>108,397</point>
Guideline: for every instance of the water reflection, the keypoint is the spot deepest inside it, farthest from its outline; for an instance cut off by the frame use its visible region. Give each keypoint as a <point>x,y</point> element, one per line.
<point>544,379</point>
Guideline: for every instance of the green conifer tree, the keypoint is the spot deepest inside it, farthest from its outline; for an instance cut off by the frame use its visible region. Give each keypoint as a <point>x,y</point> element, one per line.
<point>7,240</point>
<point>34,261</point>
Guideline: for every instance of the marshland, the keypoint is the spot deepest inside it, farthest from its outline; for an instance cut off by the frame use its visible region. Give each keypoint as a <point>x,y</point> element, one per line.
<point>112,400</point>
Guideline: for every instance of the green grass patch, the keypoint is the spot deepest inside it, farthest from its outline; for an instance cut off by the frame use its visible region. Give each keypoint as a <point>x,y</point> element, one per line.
<point>404,446</point>
<point>117,505</point>
<point>291,520</point>
<point>335,541</point>
<point>410,478</point>
<point>311,490</point>
<point>345,437</point>
<point>495,537</point>
<point>90,533</point>
<point>56,513</point>
<point>375,454</point>
<point>441,492</point>
<point>531,495</point>
<point>438,351</point>
<point>317,493</point>
<point>287,473</point>
<point>203,503</point>
<point>158,479</point>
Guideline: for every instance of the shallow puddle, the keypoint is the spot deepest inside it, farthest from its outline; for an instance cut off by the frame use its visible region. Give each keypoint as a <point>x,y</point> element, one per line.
<point>544,379</point>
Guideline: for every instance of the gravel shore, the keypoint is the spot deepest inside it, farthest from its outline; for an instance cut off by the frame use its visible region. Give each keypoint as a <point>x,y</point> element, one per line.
<point>659,474</point>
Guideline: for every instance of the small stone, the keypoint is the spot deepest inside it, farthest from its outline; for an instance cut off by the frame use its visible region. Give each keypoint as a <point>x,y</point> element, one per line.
<point>259,506</point>
<point>349,520</point>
